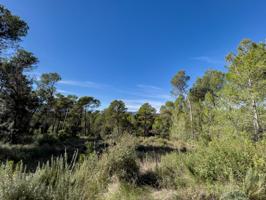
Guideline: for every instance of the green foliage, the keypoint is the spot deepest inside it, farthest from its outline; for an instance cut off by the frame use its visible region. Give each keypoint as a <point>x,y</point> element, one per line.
<point>173,172</point>
<point>17,100</point>
<point>120,160</point>
<point>115,119</point>
<point>179,83</point>
<point>212,82</point>
<point>224,159</point>
<point>77,117</point>
<point>234,195</point>
<point>46,87</point>
<point>128,192</point>
<point>217,116</point>
<point>64,179</point>
<point>180,120</point>
<point>246,81</point>
<point>144,119</point>
<point>12,28</point>
<point>53,181</point>
<point>255,185</point>
<point>163,121</point>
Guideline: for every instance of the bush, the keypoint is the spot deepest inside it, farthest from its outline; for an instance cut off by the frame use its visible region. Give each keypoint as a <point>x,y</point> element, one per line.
<point>120,160</point>
<point>173,173</point>
<point>234,195</point>
<point>63,179</point>
<point>57,180</point>
<point>196,193</point>
<point>222,159</point>
<point>54,181</point>
<point>255,185</point>
<point>46,139</point>
<point>128,192</point>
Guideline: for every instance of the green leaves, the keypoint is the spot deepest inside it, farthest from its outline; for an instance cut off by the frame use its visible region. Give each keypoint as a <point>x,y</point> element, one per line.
<point>145,118</point>
<point>12,28</point>
<point>179,83</point>
<point>246,80</point>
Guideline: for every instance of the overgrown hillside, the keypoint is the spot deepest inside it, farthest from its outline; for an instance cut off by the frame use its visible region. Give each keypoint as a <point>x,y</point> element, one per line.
<point>207,144</point>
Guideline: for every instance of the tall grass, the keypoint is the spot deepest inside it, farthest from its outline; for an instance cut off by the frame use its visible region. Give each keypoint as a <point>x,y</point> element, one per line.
<point>218,171</point>
<point>56,180</point>
<point>60,179</point>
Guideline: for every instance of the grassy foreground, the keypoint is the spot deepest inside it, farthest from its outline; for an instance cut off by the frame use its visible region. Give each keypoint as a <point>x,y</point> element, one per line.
<point>145,168</point>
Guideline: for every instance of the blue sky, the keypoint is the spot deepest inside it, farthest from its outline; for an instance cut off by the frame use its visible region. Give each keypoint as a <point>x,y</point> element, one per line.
<point>130,49</point>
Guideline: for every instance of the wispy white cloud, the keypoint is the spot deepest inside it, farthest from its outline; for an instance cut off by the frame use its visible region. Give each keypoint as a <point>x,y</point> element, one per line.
<point>65,92</point>
<point>208,59</point>
<point>133,97</point>
<point>145,91</point>
<point>148,87</point>
<point>86,84</point>
<point>141,90</point>
<point>143,94</point>
<point>134,104</point>
<point>151,91</point>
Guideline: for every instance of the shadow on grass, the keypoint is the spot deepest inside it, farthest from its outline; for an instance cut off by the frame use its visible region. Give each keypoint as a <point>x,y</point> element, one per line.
<point>154,151</point>
<point>33,154</point>
<point>149,178</point>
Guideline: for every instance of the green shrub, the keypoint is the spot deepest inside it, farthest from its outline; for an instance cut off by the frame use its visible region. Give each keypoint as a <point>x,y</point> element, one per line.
<point>234,195</point>
<point>63,179</point>
<point>128,192</point>
<point>50,182</point>
<point>120,160</point>
<point>57,180</point>
<point>222,159</point>
<point>46,139</point>
<point>255,185</point>
<point>173,173</point>
<point>63,134</point>
<point>197,192</point>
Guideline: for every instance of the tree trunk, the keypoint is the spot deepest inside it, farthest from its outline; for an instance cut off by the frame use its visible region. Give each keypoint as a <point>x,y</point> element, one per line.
<point>89,123</point>
<point>85,122</point>
<point>191,117</point>
<point>65,119</point>
<point>54,122</point>
<point>256,124</point>
<point>58,123</point>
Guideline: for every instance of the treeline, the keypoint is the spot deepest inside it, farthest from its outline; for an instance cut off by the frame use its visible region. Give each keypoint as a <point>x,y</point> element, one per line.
<point>209,142</point>
<point>218,103</point>
<point>30,107</point>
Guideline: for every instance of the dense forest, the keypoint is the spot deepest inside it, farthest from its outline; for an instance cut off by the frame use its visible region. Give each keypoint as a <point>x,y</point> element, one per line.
<point>209,143</point>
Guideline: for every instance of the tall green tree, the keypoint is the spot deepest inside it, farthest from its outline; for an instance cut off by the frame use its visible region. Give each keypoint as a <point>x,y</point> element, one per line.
<point>247,80</point>
<point>78,114</point>
<point>212,82</point>
<point>46,87</point>
<point>62,106</point>
<point>88,104</point>
<point>12,29</point>
<point>180,88</point>
<point>116,118</point>
<point>46,91</point>
<point>181,123</point>
<point>205,97</point>
<point>17,99</point>
<point>163,121</point>
<point>145,118</point>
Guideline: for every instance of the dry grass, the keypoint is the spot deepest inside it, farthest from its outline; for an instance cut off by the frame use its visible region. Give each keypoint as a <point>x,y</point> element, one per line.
<point>164,194</point>
<point>148,164</point>
<point>162,142</point>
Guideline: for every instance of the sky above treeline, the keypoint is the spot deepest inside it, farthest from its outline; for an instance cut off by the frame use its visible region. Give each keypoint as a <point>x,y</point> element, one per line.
<point>130,49</point>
